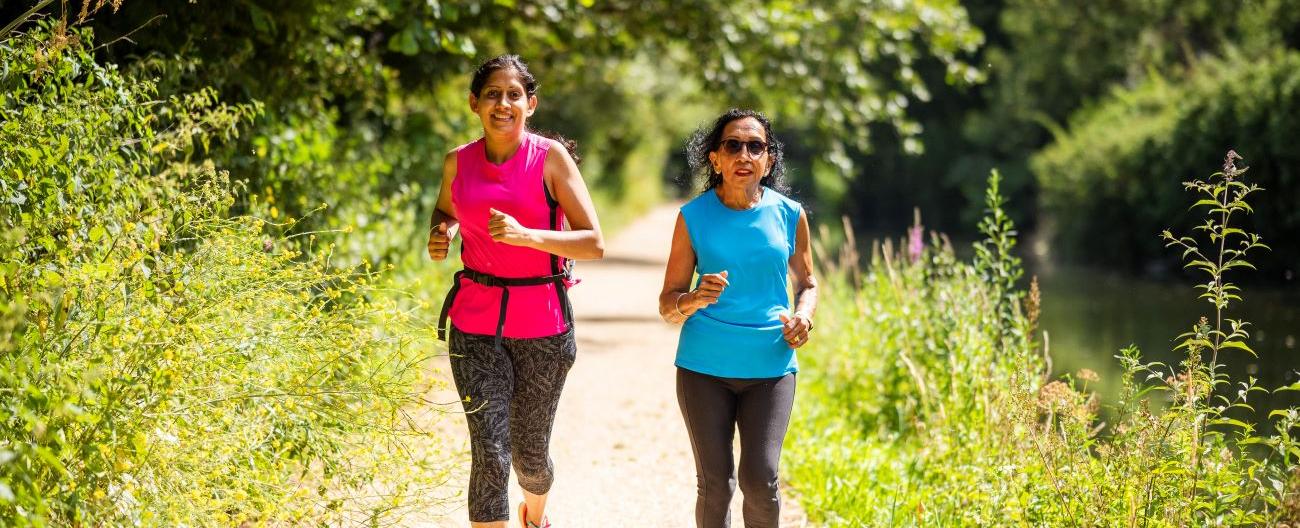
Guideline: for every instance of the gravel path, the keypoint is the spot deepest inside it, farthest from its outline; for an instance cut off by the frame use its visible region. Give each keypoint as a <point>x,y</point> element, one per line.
<point>620,448</point>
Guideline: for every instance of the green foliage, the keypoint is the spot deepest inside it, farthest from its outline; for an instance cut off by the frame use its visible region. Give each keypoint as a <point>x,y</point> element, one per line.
<point>167,363</point>
<point>392,74</point>
<point>926,403</point>
<point>1052,65</point>
<point>1101,181</point>
<point>361,97</point>
<point>1058,57</point>
<point>1046,61</point>
<point>995,260</point>
<point>1138,97</point>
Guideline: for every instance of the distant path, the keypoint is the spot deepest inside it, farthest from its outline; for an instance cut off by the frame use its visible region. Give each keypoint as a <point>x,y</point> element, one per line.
<point>621,453</point>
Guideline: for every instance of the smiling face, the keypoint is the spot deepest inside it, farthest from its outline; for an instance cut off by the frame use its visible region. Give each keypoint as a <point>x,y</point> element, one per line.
<point>742,168</point>
<point>503,104</point>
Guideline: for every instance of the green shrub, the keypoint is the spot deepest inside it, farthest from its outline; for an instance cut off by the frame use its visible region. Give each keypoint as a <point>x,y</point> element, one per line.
<point>166,363</point>
<point>1111,180</point>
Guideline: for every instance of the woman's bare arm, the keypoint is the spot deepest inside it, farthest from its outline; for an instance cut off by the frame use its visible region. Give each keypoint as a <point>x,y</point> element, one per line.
<point>443,223</point>
<point>677,302</point>
<point>796,328</point>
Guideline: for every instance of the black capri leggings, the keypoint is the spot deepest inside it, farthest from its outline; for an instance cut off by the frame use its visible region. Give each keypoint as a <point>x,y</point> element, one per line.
<point>713,408</point>
<point>510,396</point>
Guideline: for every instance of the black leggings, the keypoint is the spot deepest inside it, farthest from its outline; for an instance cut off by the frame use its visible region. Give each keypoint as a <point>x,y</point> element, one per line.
<point>510,396</point>
<point>713,408</point>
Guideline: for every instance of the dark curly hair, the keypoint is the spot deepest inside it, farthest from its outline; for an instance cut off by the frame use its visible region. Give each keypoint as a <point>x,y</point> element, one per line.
<point>513,62</point>
<point>706,140</point>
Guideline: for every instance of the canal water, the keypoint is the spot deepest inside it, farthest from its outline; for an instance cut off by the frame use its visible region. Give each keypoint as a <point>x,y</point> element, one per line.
<point>1090,315</point>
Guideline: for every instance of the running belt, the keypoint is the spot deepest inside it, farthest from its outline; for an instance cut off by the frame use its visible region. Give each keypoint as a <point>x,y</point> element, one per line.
<point>558,279</point>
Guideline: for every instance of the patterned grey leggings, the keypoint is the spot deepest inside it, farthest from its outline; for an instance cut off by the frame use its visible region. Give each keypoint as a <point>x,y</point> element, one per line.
<point>510,395</point>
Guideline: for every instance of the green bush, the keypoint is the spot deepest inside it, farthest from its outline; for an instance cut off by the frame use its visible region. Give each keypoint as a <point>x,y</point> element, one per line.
<point>169,364</point>
<point>1110,182</point>
<point>926,401</point>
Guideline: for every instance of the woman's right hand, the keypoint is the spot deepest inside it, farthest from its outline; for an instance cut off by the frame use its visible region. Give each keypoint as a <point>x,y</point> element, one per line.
<point>439,241</point>
<point>710,288</point>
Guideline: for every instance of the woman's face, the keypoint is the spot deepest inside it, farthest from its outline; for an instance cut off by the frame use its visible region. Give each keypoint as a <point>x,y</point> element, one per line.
<point>741,156</point>
<point>503,105</point>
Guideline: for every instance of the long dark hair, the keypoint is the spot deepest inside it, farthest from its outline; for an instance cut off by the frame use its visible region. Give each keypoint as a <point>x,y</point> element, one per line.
<point>706,140</point>
<point>513,62</point>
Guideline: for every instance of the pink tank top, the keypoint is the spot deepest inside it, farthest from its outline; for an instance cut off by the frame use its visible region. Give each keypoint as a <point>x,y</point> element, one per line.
<point>518,189</point>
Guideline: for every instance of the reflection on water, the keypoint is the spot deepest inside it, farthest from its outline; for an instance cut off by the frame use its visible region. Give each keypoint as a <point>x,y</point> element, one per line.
<point>1090,316</point>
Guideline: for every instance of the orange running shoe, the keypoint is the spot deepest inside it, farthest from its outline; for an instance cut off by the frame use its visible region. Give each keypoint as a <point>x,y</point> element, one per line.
<point>525,523</point>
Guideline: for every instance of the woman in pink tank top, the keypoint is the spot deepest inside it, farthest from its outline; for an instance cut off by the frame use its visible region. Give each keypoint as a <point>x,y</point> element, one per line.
<point>509,195</point>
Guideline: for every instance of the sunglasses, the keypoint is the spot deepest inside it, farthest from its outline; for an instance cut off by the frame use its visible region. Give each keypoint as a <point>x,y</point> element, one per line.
<point>733,146</point>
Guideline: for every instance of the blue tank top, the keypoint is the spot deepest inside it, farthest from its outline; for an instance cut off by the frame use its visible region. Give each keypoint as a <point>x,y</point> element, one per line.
<point>740,335</point>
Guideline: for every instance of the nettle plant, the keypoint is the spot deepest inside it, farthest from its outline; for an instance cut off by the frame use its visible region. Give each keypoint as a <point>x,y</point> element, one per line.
<point>1203,394</point>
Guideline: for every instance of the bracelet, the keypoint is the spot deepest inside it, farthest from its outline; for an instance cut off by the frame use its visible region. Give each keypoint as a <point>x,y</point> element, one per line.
<point>677,303</point>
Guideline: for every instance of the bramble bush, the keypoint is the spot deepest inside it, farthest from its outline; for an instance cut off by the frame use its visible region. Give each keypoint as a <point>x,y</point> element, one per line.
<point>167,363</point>
<point>928,401</point>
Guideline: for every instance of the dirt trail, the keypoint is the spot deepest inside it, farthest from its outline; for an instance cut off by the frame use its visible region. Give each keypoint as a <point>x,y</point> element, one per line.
<point>620,448</point>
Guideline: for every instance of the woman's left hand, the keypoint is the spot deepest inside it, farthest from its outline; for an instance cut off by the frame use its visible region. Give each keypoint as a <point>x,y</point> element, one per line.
<point>505,229</point>
<point>795,329</point>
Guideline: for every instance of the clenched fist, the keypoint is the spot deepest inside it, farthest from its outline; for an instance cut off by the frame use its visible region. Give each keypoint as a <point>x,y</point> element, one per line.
<point>505,229</point>
<point>795,329</point>
<point>439,241</point>
<point>710,288</point>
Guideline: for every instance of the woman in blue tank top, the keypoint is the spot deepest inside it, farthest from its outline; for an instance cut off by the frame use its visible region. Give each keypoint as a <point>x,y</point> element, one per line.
<point>735,357</point>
